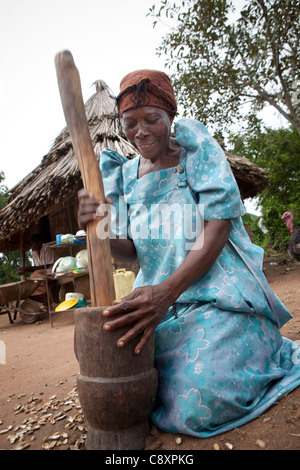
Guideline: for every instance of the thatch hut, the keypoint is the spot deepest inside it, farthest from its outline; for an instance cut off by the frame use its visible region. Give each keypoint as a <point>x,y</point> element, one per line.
<point>45,200</point>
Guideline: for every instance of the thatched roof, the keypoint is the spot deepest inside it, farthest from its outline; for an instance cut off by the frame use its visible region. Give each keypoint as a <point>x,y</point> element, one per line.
<point>58,176</point>
<point>251,178</point>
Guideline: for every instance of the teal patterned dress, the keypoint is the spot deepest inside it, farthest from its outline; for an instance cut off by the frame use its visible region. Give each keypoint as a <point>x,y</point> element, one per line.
<point>219,354</point>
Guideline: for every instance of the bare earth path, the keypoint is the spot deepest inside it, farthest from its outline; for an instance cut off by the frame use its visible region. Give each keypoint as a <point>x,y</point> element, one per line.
<point>39,407</point>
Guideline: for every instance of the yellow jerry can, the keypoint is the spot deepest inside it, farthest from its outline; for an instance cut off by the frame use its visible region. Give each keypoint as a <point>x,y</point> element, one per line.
<point>123,281</point>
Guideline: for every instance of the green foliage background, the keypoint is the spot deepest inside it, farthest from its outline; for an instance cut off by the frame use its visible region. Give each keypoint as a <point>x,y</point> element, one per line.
<point>221,59</point>
<point>278,151</point>
<point>11,260</point>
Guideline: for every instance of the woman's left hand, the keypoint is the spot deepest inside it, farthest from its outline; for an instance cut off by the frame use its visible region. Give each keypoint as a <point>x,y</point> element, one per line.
<point>144,309</point>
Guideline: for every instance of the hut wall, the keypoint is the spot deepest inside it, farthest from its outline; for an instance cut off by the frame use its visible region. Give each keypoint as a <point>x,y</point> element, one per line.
<point>63,219</point>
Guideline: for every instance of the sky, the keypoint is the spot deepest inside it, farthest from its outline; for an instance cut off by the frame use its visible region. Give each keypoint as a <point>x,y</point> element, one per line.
<point>107,38</point>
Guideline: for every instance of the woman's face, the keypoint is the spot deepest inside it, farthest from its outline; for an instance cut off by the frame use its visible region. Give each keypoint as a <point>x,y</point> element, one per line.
<point>148,129</point>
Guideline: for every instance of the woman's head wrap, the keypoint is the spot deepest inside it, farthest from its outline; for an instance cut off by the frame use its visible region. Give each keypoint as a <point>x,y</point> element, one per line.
<point>147,88</point>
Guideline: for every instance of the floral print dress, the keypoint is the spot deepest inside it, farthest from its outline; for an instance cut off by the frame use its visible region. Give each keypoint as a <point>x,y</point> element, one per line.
<point>220,357</point>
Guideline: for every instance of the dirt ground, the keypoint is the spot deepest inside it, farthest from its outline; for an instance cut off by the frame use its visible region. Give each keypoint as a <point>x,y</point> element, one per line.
<point>40,407</point>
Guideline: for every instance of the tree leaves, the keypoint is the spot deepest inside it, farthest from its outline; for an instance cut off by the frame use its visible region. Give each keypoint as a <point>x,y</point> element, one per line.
<point>3,190</point>
<point>255,59</point>
<point>278,151</point>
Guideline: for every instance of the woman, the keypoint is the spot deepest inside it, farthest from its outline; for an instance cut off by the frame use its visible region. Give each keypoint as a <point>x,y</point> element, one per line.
<point>219,354</point>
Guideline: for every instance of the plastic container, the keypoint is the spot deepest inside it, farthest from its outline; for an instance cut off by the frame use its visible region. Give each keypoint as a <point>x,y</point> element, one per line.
<point>82,259</point>
<point>67,238</point>
<point>58,238</point>
<point>66,264</point>
<point>73,295</point>
<point>123,281</point>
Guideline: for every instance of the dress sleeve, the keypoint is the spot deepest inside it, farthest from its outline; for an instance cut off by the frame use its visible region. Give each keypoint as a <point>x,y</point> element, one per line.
<point>208,172</point>
<point>111,164</point>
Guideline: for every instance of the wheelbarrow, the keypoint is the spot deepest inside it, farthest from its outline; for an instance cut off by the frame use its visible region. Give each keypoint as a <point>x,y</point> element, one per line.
<point>14,298</point>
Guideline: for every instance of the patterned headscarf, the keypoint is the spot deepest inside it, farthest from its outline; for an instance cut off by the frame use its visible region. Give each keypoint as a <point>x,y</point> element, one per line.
<point>147,88</point>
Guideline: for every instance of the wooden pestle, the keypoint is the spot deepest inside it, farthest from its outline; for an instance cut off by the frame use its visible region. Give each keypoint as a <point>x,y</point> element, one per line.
<point>99,254</point>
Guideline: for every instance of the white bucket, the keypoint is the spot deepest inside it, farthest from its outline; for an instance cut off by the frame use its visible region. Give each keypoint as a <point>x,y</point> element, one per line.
<point>73,295</point>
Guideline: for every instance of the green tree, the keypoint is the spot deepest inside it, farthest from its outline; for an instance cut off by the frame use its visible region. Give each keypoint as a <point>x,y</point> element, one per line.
<point>11,260</point>
<point>8,265</point>
<point>219,64</point>
<point>3,190</point>
<point>279,152</point>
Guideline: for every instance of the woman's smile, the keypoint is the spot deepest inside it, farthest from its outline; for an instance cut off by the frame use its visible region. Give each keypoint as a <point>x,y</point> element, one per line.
<point>145,146</point>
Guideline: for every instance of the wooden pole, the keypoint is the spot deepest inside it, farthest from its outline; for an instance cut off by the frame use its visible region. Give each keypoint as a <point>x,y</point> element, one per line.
<point>22,254</point>
<point>100,269</point>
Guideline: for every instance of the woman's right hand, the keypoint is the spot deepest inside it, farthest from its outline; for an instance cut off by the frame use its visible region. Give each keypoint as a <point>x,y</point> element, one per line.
<point>87,208</point>
<point>88,205</point>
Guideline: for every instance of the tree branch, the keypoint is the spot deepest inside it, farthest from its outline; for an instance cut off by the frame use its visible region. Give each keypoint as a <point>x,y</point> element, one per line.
<point>276,57</point>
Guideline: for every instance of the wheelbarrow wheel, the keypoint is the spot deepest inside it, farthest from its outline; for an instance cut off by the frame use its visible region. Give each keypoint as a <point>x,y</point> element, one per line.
<point>30,311</point>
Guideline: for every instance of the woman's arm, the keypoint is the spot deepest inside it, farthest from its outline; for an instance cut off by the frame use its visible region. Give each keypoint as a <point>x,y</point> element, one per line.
<point>123,249</point>
<point>146,306</point>
<point>200,259</point>
<point>31,269</point>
